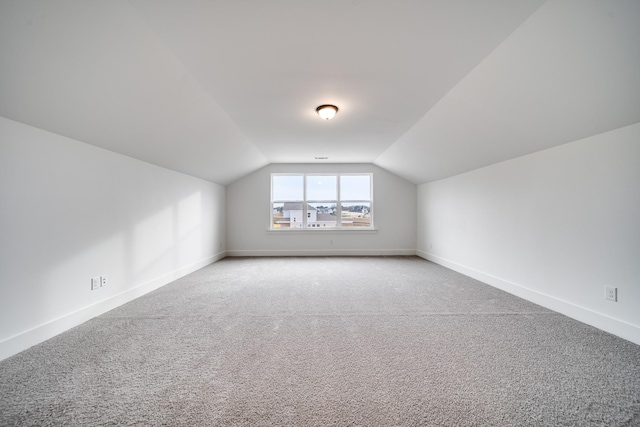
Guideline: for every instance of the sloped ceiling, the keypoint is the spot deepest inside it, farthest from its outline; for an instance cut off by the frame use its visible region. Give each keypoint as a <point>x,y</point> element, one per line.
<point>218,89</point>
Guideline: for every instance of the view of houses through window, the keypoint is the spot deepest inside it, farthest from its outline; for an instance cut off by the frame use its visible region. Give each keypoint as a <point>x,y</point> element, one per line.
<point>321,201</point>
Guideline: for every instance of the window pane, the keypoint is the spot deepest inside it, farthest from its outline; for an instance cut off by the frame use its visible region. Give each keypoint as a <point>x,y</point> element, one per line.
<point>321,187</point>
<point>356,187</point>
<point>292,214</point>
<point>322,215</point>
<point>356,214</point>
<point>287,187</point>
<point>278,216</point>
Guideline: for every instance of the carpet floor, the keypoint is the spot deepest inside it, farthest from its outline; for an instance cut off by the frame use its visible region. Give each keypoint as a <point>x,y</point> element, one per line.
<point>334,341</point>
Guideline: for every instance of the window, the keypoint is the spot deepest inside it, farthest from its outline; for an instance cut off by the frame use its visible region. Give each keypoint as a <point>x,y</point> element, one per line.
<point>321,201</point>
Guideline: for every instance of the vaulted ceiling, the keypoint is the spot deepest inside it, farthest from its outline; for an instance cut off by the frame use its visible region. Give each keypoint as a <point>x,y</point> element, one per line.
<point>218,89</point>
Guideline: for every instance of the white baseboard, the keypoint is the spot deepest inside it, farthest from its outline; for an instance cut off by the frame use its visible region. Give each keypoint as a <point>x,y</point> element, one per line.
<point>601,321</point>
<point>38,334</point>
<point>322,252</point>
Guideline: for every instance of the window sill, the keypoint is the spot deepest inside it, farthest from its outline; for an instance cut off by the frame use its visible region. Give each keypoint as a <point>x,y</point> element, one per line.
<point>321,231</point>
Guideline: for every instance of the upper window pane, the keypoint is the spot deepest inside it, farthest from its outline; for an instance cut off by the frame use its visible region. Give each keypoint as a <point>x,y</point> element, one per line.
<point>321,187</point>
<point>356,187</point>
<point>287,187</point>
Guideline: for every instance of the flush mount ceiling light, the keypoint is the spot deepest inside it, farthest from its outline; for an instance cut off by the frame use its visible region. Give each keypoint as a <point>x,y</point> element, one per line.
<point>327,111</point>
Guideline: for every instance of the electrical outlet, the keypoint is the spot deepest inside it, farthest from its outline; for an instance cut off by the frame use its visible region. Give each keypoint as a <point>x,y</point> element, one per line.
<point>611,293</point>
<point>95,283</point>
<point>103,281</point>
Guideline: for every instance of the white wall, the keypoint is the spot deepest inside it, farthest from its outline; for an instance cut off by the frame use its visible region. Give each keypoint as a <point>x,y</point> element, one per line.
<point>70,211</point>
<point>554,227</point>
<point>248,216</point>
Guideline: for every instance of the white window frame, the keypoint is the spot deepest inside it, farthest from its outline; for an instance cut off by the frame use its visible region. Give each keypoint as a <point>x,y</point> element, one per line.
<point>304,202</point>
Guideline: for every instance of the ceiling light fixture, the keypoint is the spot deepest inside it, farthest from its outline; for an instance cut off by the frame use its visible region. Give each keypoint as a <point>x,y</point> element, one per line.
<point>327,111</point>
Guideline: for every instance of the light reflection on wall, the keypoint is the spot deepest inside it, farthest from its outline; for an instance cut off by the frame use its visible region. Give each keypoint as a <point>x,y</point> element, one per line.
<point>152,240</point>
<point>189,214</point>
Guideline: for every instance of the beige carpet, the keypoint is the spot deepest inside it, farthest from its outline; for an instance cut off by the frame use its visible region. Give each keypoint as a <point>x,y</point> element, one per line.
<point>388,341</point>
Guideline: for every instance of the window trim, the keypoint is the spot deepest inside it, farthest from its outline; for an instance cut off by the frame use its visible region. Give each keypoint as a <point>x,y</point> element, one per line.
<point>338,202</point>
